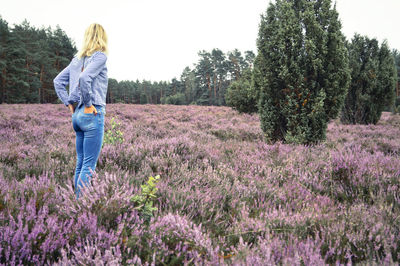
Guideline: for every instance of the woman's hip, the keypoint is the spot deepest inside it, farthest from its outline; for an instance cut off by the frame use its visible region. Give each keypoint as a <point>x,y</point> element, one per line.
<point>82,121</point>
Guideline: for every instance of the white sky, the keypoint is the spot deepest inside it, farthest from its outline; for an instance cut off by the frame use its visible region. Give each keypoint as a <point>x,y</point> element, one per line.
<point>156,39</point>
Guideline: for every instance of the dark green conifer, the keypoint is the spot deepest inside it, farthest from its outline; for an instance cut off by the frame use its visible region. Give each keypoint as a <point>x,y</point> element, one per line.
<point>373,84</point>
<point>301,71</point>
<point>241,95</point>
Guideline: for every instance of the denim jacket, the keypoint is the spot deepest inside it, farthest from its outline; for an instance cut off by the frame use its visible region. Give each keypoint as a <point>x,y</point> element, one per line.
<point>88,87</point>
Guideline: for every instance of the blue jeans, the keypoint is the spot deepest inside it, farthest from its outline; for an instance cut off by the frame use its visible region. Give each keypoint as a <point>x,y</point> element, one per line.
<point>89,129</point>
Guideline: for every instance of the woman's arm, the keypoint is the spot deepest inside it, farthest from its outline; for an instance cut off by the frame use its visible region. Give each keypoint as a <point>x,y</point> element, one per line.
<point>60,82</point>
<point>88,74</point>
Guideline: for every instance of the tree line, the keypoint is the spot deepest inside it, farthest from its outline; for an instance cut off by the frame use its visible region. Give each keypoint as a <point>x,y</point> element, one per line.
<point>204,84</point>
<point>30,58</point>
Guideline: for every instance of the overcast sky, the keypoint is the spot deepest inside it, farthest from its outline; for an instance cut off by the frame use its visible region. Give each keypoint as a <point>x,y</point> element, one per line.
<point>156,39</point>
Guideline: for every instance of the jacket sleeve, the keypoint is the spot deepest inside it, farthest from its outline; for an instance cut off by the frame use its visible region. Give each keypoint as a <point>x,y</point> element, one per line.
<point>60,82</point>
<point>88,74</point>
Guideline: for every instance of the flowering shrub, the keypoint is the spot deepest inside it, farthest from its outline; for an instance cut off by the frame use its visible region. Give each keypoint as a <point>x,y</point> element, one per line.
<point>176,240</point>
<point>274,251</point>
<point>223,197</point>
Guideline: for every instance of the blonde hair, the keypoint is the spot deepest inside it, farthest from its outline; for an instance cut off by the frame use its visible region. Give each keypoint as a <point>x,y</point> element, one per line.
<point>95,40</point>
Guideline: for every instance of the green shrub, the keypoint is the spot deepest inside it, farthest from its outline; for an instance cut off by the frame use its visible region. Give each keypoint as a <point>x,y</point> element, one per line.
<point>301,70</point>
<point>241,96</point>
<point>372,88</point>
<point>177,99</point>
<point>146,198</point>
<point>114,135</point>
<point>396,106</point>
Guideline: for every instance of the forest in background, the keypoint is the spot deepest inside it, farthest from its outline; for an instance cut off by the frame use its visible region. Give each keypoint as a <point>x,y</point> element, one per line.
<point>204,84</point>
<point>30,58</point>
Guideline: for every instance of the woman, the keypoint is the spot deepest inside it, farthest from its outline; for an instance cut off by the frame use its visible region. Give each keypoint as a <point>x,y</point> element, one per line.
<point>87,78</point>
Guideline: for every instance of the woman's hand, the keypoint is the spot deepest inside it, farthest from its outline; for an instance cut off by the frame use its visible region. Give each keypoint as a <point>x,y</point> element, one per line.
<point>90,110</point>
<point>71,108</point>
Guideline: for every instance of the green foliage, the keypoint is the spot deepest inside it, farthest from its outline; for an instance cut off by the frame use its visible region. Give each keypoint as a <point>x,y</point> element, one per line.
<point>114,135</point>
<point>373,84</point>
<point>396,55</point>
<point>205,84</point>
<point>241,95</point>
<point>145,200</point>
<point>215,71</point>
<point>301,70</point>
<point>177,99</point>
<point>30,58</point>
<point>396,107</point>
<point>143,98</point>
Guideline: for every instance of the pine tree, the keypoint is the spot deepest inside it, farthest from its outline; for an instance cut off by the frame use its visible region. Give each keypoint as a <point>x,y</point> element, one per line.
<point>301,70</point>
<point>61,51</point>
<point>4,36</point>
<point>396,106</point>
<point>30,58</point>
<point>236,63</point>
<point>373,84</point>
<point>188,79</point>
<point>204,74</point>
<point>396,55</point>
<point>17,85</point>
<point>219,74</point>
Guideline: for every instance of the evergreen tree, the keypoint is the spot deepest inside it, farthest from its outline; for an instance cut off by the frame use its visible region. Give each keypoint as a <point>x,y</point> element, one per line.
<point>17,85</point>
<point>31,39</point>
<point>143,97</point>
<point>396,55</point>
<point>112,90</point>
<point>301,71</point>
<point>30,58</point>
<point>189,82</point>
<point>396,107</point>
<point>4,37</point>
<point>214,73</point>
<point>147,90</point>
<point>236,64</point>
<point>61,51</point>
<point>204,73</point>
<point>241,95</point>
<point>249,59</point>
<point>373,82</point>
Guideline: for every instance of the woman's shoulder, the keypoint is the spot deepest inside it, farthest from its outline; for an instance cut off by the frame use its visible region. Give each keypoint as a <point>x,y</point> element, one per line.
<point>75,61</point>
<point>99,54</point>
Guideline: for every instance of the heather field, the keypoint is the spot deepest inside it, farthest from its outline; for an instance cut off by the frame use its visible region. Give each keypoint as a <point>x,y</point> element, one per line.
<point>224,197</point>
